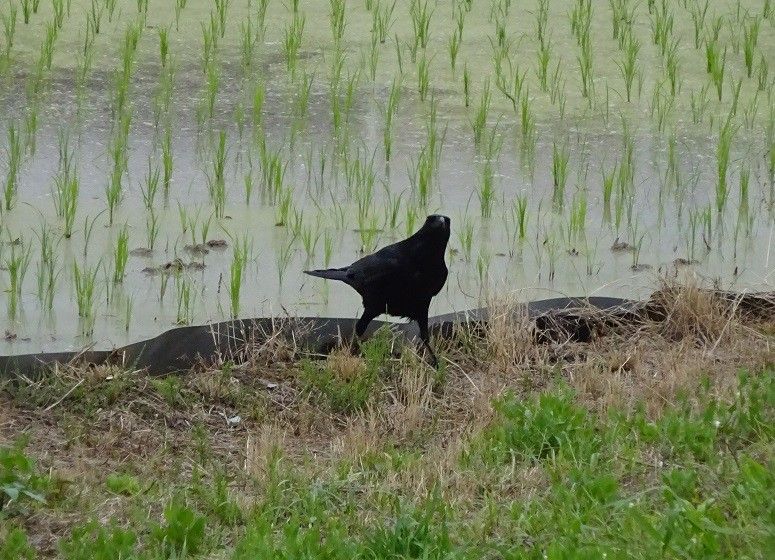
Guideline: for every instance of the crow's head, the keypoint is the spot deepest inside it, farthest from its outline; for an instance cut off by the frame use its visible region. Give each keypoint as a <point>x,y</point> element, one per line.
<point>436,227</point>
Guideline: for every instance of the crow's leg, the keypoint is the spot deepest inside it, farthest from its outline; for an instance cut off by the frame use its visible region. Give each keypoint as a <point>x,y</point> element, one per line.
<point>422,322</point>
<point>360,327</point>
<point>368,316</point>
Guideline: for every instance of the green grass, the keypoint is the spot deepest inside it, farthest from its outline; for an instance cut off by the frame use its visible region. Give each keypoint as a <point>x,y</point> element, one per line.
<point>695,480</point>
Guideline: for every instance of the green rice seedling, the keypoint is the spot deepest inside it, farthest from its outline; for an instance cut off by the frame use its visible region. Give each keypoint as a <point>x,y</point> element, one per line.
<point>185,300</point>
<point>301,103</point>
<point>699,104</point>
<point>183,218</point>
<point>726,133</point>
<point>389,112</point>
<point>560,158</point>
<point>216,180</point>
<point>762,74</point>
<point>771,143</point>
<point>17,265</point>
<point>310,236</point>
<point>128,306</point>
<point>580,19</point>
<point>745,178</point>
<point>351,91</point>
<point>59,12</point>
<point>164,44</point>
<point>209,43</point>
<point>542,20</point>
<point>67,186</point>
<point>421,175</point>
<point>526,121</point>
<point>585,67</point>
<point>292,38</point>
<point>337,19</point>
<point>26,9</point>
<point>49,44</point>
<point>204,229</point>
<point>120,255</point>
<point>750,41</point>
<point>410,220</point>
<point>717,64</point>
<point>83,68</point>
<point>453,48</point>
<point>142,6</point>
<point>368,229</point>
<point>239,259</point>
<point>661,106</point>
<point>212,85</point>
<point>636,242</point>
<point>480,118</point>
<point>750,112</point>
<point>94,16</point>
<point>383,20</point>
<point>282,259</point>
<point>609,180</point>
<point>487,188</point>
<point>513,88</point>
<point>259,96</point>
<point>544,56</point>
<point>662,26</point>
<point>328,248</point>
<point>399,56</point>
<point>14,162</point>
<point>392,208</point>
<point>421,15</point>
<point>672,66</point>
<point>180,5</point>
<point>698,11</point>
<point>163,279</point>
<point>483,260</point>
<point>222,6</point>
<point>166,158</point>
<point>621,15</point>
<point>151,184</point>
<point>672,174</point>
<point>297,222</point>
<point>84,282</point>
<point>8,20</point>
<point>249,183</point>
<point>47,264</point>
<point>114,189</point>
<point>284,206</point>
<point>248,42</point>
<point>373,58</point>
<point>423,77</point>
<point>47,275</point>
<point>578,215</point>
<point>466,85</point>
<point>520,212</point>
<point>261,8</point>
<point>152,228</point>
<point>110,6</point>
<point>735,96</point>
<point>465,237</point>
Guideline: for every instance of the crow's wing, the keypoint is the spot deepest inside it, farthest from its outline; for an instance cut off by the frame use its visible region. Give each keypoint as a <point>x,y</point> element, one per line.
<point>372,272</point>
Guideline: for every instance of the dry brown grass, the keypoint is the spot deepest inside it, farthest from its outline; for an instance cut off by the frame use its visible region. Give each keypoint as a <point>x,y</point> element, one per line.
<point>82,438</point>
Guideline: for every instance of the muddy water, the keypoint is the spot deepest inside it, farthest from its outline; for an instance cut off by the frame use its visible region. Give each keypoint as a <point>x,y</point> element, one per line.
<point>663,222</point>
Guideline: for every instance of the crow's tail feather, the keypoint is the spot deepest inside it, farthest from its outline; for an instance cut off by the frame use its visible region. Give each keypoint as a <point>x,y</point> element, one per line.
<point>330,273</point>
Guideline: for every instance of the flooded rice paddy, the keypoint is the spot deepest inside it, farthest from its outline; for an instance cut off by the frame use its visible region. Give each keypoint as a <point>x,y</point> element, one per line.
<point>168,163</point>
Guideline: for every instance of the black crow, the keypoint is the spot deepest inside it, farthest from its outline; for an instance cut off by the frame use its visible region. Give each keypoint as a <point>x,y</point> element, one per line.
<point>400,279</point>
